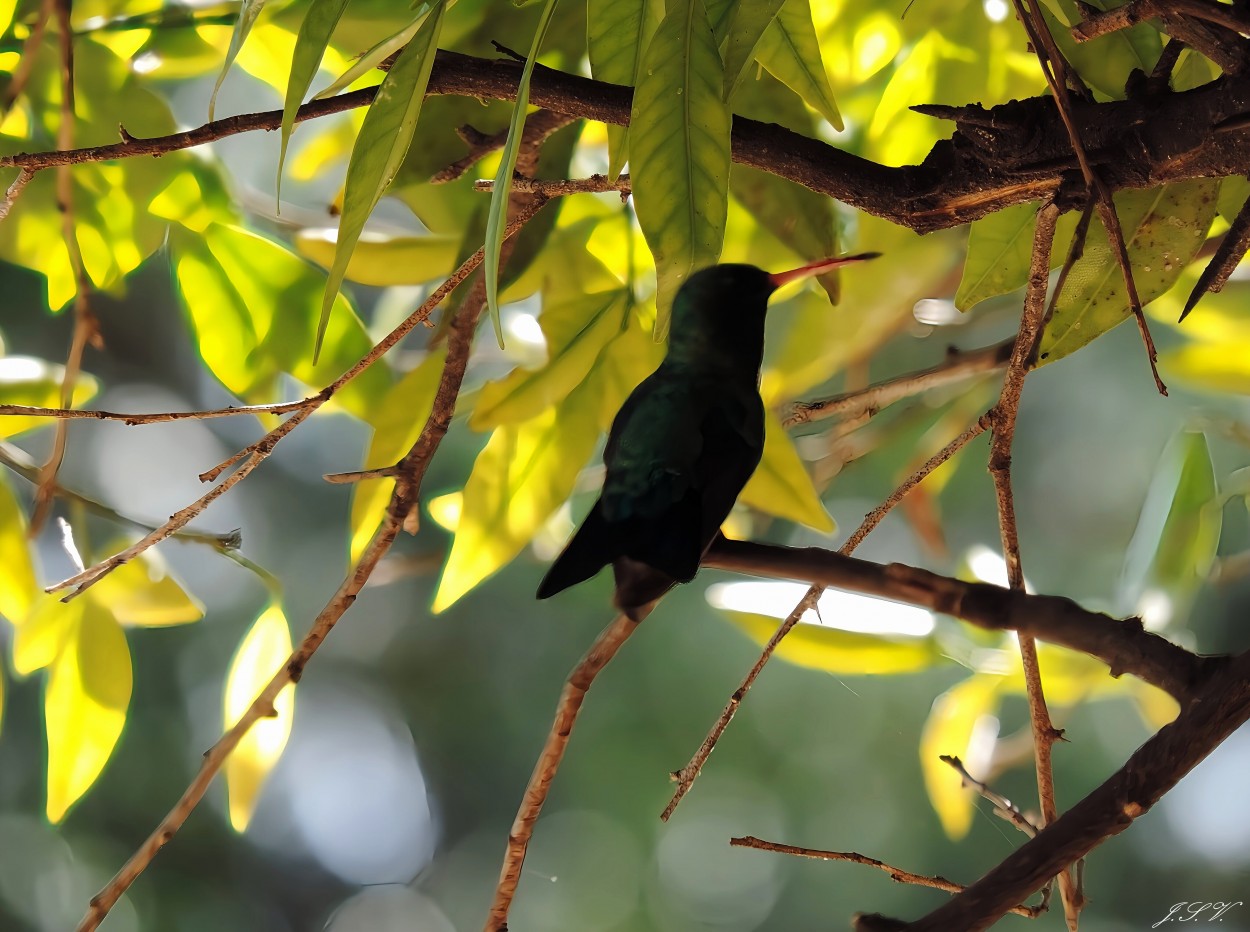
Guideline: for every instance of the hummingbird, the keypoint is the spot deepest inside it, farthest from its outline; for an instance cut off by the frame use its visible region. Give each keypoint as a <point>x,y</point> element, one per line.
<point>684,443</point>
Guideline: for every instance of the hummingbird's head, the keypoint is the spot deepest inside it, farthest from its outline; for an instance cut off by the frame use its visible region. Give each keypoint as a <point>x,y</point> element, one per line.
<point>719,311</point>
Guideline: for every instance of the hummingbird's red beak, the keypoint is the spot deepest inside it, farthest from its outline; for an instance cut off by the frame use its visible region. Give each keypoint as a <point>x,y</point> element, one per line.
<point>816,268</point>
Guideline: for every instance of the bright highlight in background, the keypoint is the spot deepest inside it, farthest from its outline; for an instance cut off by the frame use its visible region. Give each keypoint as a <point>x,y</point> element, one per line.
<point>844,610</point>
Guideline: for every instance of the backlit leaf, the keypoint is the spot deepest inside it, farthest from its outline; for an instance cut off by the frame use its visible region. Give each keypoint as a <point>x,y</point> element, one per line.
<point>248,11</point>
<point>1163,229</point>
<point>264,650</point>
<point>845,653</point>
<point>380,148</point>
<point>790,50</point>
<point>679,150</point>
<point>371,59</point>
<point>320,18</point>
<point>397,421</point>
<point>18,588</point>
<point>1000,250</point>
<point>576,331</point>
<point>1170,555</point>
<point>520,478</point>
<point>497,216</point>
<point>745,30</point>
<point>254,308</point>
<point>143,594</point>
<point>949,731</point>
<point>781,485</point>
<point>85,702</point>
<point>1103,63</point>
<point>385,260</point>
<point>1215,367</point>
<point>617,32</point>
<point>46,631</point>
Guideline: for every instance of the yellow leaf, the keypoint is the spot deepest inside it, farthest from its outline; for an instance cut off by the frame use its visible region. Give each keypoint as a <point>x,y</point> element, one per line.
<point>949,730</point>
<point>18,589</point>
<point>385,260</point>
<point>25,380</point>
<point>781,485</point>
<point>846,653</point>
<point>1215,367</point>
<point>142,593</point>
<point>397,422</point>
<point>85,703</point>
<point>47,631</point>
<point>264,650</point>
<point>524,474</point>
<point>1156,707</point>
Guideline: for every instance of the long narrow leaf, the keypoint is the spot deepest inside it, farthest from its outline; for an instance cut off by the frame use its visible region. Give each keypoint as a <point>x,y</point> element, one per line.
<point>617,32</point>
<point>374,57</point>
<point>497,218</point>
<point>380,148</point>
<point>679,150</point>
<point>790,50</point>
<point>310,45</point>
<point>750,21</point>
<point>248,11</point>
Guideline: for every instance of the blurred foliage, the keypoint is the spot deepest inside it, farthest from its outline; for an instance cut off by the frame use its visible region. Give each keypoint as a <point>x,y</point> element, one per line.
<point>581,313</point>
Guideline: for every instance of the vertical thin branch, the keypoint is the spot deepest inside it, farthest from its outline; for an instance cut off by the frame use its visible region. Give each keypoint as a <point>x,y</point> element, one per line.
<point>1005,413</point>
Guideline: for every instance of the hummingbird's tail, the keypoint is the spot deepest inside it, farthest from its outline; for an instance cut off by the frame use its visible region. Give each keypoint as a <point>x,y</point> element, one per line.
<point>592,548</point>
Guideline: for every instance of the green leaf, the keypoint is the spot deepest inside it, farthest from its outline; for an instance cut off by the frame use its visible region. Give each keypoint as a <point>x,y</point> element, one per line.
<point>781,485</point>
<point>253,305</point>
<point>85,702</point>
<point>679,150</point>
<point>617,32</point>
<point>382,261</point>
<point>380,148</point>
<point>1103,63</point>
<point>264,650</point>
<point>1234,193</point>
<point>25,380</point>
<point>790,50</point>
<point>577,330</point>
<point>1170,555</point>
<point>497,217</point>
<point>520,478</point>
<point>18,587</point>
<point>1163,229</point>
<point>248,11</point>
<point>397,421</point>
<point>1000,251</point>
<point>746,29</point>
<point>372,58</point>
<point>949,730</point>
<point>844,653</point>
<point>310,44</point>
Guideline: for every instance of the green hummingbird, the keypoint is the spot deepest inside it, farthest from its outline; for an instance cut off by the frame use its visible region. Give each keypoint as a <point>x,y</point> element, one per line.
<point>684,443</point>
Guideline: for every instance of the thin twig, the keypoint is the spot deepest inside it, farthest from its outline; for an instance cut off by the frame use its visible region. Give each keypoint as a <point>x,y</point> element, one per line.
<point>1005,413</point>
<point>958,366</point>
<point>896,873</point>
<point>602,651</point>
<point>686,776</point>
<point>1003,806</point>
<point>538,126</point>
<point>595,184</point>
<point>10,196</point>
<point>159,417</point>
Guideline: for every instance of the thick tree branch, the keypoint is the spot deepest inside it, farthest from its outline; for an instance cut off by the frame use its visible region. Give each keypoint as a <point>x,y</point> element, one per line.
<point>1006,155</point>
<point>1124,645</point>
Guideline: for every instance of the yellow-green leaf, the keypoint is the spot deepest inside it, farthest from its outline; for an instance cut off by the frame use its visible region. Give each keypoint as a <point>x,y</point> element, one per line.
<point>397,422</point>
<point>380,148</point>
<point>264,650</point>
<point>1000,249</point>
<point>949,731</point>
<point>142,593</point>
<point>790,51</point>
<point>18,588</point>
<point>85,702</point>
<point>385,260</point>
<point>315,30</point>
<point>248,11</point>
<point>45,633</point>
<point>576,332</point>
<point>617,32</point>
<point>497,215</point>
<point>845,653</point>
<point>1216,367</point>
<point>744,31</point>
<point>679,150</point>
<point>1103,63</point>
<point>781,485</point>
<point>1163,229</point>
<point>521,477</point>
